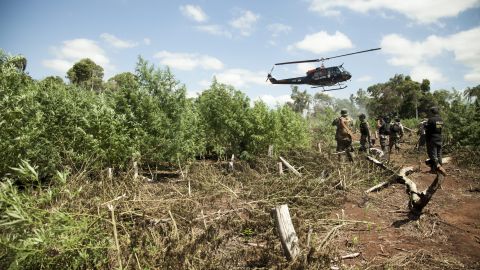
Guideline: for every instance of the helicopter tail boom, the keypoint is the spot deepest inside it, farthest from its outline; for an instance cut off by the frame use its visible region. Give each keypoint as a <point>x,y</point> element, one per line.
<point>298,80</point>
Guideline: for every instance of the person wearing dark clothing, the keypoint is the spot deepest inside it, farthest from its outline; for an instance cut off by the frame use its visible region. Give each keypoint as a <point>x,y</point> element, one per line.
<point>433,136</point>
<point>383,126</point>
<point>421,133</point>
<point>364,134</point>
<point>396,133</point>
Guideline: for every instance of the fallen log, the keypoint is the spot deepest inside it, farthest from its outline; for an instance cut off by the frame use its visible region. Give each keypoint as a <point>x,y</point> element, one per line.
<point>417,200</point>
<point>401,176</point>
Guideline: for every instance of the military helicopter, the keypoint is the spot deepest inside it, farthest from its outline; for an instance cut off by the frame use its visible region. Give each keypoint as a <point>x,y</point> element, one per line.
<point>321,76</point>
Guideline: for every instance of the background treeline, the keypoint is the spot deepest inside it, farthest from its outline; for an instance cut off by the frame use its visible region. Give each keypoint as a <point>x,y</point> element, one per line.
<point>399,97</point>
<point>144,116</point>
<point>147,116</point>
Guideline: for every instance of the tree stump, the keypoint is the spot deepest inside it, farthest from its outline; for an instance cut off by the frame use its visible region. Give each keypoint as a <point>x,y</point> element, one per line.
<point>286,231</point>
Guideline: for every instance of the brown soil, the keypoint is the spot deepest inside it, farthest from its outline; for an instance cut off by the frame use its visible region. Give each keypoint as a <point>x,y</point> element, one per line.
<point>445,236</point>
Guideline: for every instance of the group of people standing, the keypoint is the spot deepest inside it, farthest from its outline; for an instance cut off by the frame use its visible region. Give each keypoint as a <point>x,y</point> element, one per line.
<point>390,133</point>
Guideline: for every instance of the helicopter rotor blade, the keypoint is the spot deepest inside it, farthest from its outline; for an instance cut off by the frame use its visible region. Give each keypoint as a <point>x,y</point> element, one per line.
<point>297,62</point>
<point>352,53</point>
<point>323,59</point>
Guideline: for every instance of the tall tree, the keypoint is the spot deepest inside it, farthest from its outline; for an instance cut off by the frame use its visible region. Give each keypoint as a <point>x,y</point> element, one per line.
<point>125,80</point>
<point>301,100</point>
<point>87,74</point>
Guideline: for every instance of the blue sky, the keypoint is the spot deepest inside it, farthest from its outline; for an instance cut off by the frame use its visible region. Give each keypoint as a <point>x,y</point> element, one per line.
<point>239,41</point>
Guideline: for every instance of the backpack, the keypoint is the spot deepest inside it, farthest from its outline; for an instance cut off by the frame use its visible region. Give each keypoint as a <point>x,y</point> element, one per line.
<point>395,128</point>
<point>335,122</point>
<point>385,129</point>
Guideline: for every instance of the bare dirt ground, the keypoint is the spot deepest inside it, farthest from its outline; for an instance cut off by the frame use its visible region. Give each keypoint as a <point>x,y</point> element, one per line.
<point>445,236</point>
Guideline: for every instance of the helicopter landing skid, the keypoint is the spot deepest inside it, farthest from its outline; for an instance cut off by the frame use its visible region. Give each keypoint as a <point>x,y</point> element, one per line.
<point>331,89</point>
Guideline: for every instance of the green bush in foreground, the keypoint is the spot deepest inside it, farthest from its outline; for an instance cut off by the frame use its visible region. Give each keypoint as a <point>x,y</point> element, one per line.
<point>37,234</point>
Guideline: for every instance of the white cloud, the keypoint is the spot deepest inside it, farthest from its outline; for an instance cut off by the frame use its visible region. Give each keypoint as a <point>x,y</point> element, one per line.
<point>277,29</point>
<point>417,55</point>
<point>245,23</point>
<point>59,65</point>
<point>204,84</point>
<point>147,41</point>
<point>425,71</point>
<point>116,42</point>
<point>302,68</point>
<point>215,30</point>
<point>193,94</point>
<point>74,50</point>
<point>272,101</point>
<point>322,42</point>
<point>194,12</point>
<point>241,77</point>
<point>365,78</point>
<point>423,11</point>
<point>188,61</point>
<point>465,47</point>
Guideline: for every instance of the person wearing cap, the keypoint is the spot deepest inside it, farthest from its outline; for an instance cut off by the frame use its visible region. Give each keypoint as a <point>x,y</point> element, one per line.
<point>433,136</point>
<point>343,135</point>
<point>396,133</point>
<point>364,133</point>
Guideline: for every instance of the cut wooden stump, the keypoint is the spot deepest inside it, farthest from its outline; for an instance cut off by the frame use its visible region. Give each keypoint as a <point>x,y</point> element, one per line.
<point>290,167</point>
<point>230,164</point>
<point>110,173</point>
<point>270,150</point>
<point>135,170</point>
<point>286,231</point>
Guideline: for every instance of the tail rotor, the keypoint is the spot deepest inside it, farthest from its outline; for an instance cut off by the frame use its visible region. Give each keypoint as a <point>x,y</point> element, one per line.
<point>270,73</point>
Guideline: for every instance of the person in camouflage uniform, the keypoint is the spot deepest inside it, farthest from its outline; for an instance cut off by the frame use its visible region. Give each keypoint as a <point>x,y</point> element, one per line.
<point>364,134</point>
<point>344,135</point>
<point>396,133</point>
<point>433,136</point>
<point>421,135</point>
<point>383,126</point>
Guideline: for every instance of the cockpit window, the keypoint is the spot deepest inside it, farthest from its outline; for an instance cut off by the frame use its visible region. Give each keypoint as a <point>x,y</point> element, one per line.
<point>335,70</point>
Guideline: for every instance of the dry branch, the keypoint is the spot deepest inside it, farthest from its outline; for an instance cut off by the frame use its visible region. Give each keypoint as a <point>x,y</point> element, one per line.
<point>115,235</point>
<point>351,256</point>
<point>418,200</point>
<point>329,234</point>
<point>290,167</point>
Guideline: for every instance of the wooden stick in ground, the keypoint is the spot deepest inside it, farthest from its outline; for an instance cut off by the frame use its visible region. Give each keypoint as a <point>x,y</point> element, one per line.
<point>115,235</point>
<point>175,229</point>
<point>290,167</point>
<point>280,168</point>
<point>110,174</point>
<point>135,170</point>
<point>230,164</point>
<point>270,150</point>
<point>285,229</point>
